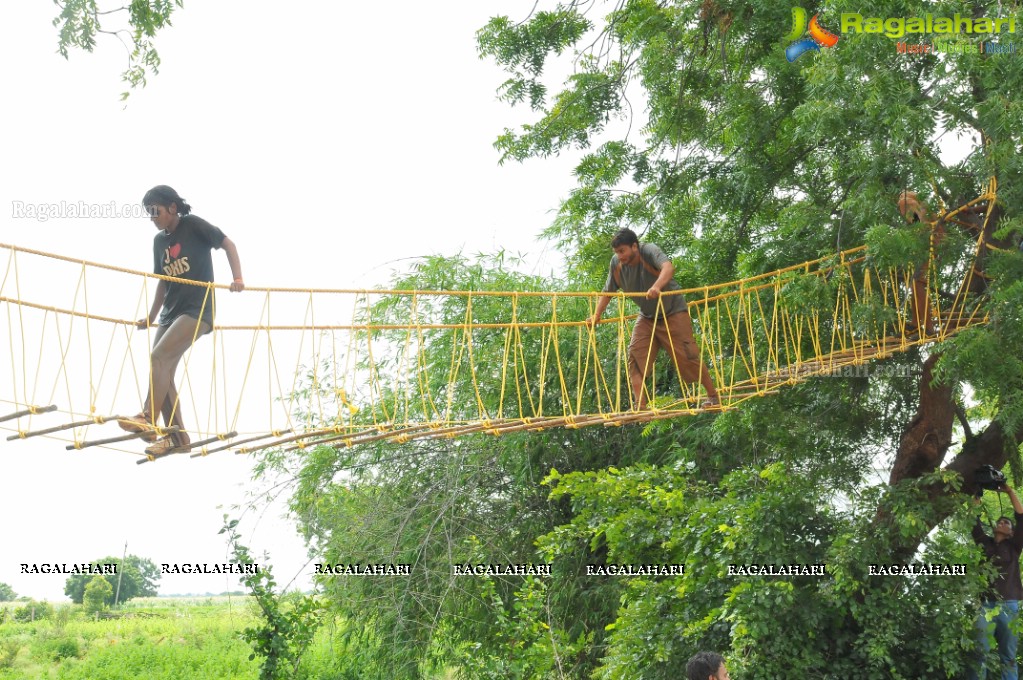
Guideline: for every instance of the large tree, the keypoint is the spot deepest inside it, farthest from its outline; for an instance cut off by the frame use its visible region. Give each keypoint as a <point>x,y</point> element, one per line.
<point>741,162</point>
<point>694,129</point>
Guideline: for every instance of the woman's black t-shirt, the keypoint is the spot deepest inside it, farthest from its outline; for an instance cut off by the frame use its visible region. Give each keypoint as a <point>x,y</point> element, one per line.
<point>185,254</point>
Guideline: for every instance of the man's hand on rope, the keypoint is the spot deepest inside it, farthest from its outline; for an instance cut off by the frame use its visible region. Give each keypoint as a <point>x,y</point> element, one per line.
<point>653,293</point>
<point>237,286</point>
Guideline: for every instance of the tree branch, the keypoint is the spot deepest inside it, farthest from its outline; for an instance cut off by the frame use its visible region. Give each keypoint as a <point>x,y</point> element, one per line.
<point>961,415</point>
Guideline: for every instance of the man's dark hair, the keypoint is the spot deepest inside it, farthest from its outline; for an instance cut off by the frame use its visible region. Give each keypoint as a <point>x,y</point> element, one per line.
<point>703,665</point>
<point>624,237</point>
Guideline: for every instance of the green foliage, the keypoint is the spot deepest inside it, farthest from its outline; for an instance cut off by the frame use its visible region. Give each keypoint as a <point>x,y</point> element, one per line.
<point>873,317</point>
<point>97,591</point>
<point>745,161</point>
<point>80,21</point>
<point>61,617</point>
<point>846,623</point>
<point>492,349</point>
<point>33,611</point>
<point>465,502</point>
<point>138,577</point>
<point>338,654</point>
<point>9,649</point>
<point>7,593</point>
<point>907,245</point>
<point>991,358</point>
<point>288,622</point>
<point>523,49</point>
<point>522,643</point>
<point>63,648</point>
<point>808,295</point>
<point>156,639</point>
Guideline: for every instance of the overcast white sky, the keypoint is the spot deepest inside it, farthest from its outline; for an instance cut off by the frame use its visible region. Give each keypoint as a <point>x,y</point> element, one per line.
<point>330,141</point>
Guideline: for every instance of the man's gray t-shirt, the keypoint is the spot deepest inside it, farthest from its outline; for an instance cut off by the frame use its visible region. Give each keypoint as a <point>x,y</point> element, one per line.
<point>636,279</point>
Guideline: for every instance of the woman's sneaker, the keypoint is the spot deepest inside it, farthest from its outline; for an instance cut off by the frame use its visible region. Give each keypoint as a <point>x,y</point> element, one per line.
<point>172,443</point>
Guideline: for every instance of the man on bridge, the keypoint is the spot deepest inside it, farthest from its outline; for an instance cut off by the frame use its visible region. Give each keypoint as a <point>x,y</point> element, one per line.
<point>663,321</point>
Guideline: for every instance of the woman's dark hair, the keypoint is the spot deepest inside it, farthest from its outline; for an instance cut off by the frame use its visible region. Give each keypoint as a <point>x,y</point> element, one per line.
<point>625,237</point>
<point>165,196</point>
<point>703,665</point>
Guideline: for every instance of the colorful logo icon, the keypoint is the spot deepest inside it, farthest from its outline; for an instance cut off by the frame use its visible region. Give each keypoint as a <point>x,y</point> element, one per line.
<point>819,37</point>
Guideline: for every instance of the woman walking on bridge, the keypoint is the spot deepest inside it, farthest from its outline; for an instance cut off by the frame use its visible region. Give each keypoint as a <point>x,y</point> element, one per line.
<point>181,249</point>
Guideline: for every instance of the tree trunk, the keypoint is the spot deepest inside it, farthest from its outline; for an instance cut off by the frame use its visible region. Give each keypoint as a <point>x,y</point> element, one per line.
<point>926,440</point>
<point>928,436</point>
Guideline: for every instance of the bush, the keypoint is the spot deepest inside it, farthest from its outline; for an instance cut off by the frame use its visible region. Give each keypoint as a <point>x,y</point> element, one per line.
<point>97,592</point>
<point>61,616</point>
<point>64,648</point>
<point>33,611</point>
<point>9,649</point>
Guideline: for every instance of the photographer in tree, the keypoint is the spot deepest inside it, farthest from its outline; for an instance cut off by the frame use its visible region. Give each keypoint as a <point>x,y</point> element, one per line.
<point>1001,601</point>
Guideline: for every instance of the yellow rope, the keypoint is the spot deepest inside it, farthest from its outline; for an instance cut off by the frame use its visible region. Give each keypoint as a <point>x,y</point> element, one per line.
<point>750,336</point>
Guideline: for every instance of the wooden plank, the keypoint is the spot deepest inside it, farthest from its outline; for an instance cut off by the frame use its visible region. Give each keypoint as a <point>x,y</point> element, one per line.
<point>66,426</point>
<point>114,440</point>
<point>30,411</point>
<point>242,441</point>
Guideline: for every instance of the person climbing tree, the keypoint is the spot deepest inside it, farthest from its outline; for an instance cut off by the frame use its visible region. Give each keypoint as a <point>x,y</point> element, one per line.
<point>916,212</point>
<point>182,249</point>
<point>663,321</point>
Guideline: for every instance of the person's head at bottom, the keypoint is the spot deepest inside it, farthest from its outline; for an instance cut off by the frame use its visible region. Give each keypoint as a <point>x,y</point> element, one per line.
<point>706,666</point>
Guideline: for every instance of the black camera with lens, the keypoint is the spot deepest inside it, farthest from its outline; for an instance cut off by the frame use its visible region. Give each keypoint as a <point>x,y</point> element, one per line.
<point>988,478</point>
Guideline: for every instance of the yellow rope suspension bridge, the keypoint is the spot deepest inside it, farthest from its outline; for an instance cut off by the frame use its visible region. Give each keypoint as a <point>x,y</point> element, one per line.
<point>349,367</point>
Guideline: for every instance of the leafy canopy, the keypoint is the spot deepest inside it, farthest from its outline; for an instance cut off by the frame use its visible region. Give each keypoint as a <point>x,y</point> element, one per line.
<point>139,577</point>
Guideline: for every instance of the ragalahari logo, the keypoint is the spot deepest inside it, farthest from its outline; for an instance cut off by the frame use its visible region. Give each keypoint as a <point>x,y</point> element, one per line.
<point>819,37</point>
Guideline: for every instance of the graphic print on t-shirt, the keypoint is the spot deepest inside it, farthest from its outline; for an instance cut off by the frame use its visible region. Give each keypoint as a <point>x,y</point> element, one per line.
<point>172,265</point>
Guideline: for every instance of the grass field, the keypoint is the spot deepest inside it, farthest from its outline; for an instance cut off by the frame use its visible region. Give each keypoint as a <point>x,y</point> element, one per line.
<point>151,639</point>
<point>166,638</point>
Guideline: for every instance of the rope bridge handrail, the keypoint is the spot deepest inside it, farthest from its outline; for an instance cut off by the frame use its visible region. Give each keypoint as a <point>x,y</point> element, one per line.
<point>383,291</point>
